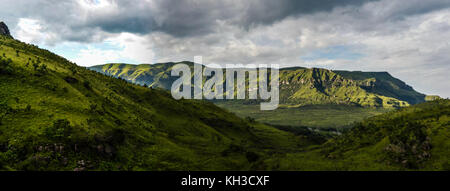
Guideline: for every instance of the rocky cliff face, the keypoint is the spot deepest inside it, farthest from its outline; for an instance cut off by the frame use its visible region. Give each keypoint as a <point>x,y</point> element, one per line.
<point>298,86</point>
<point>4,30</point>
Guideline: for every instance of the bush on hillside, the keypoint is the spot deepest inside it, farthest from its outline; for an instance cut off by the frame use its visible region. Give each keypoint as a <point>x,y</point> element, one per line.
<point>5,66</point>
<point>60,130</point>
<point>410,145</point>
<point>4,110</point>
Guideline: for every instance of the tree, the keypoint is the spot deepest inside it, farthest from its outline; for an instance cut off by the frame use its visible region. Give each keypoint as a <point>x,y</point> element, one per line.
<point>43,68</point>
<point>5,65</point>
<point>60,130</point>
<point>35,65</point>
<point>251,156</point>
<point>87,85</point>
<point>28,108</point>
<point>250,119</point>
<point>73,70</point>
<point>4,110</point>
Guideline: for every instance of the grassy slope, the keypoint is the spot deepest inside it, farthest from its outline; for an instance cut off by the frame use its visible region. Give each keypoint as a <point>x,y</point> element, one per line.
<point>57,116</point>
<point>314,116</point>
<point>316,98</point>
<point>297,91</point>
<point>387,85</point>
<point>412,138</point>
<point>298,86</point>
<point>321,86</point>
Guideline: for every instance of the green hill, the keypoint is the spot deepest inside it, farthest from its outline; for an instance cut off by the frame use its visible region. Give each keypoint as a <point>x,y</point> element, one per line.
<point>382,83</point>
<point>55,115</point>
<point>316,98</point>
<point>412,138</point>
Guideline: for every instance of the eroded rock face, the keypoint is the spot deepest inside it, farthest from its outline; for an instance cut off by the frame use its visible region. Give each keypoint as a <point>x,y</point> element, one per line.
<point>4,30</point>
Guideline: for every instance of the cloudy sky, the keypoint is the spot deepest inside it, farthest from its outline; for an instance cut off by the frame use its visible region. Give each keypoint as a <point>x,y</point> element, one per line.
<point>408,38</point>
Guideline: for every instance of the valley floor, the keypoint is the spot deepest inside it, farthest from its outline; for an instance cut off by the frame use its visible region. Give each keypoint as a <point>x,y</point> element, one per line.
<point>322,117</point>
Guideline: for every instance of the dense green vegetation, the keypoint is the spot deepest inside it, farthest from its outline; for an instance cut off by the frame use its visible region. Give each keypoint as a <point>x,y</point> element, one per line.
<point>316,98</point>
<point>413,138</point>
<point>322,117</point>
<point>382,83</point>
<point>298,86</point>
<point>55,115</point>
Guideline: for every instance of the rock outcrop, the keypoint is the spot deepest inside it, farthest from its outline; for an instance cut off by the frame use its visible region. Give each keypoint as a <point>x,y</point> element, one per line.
<point>4,30</point>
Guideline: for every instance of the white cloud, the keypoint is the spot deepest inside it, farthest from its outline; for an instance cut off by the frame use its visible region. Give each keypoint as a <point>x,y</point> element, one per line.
<point>93,56</point>
<point>125,47</point>
<point>414,48</point>
<point>135,47</point>
<point>32,31</point>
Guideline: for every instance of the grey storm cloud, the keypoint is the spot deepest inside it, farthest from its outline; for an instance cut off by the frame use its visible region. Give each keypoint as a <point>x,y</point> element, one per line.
<point>268,11</point>
<point>178,18</point>
<point>192,18</point>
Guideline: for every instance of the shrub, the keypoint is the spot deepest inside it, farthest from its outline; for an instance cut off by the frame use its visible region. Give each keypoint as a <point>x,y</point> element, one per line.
<point>5,66</point>
<point>250,119</point>
<point>43,68</point>
<point>28,108</point>
<point>93,107</point>
<point>87,85</point>
<point>70,80</point>
<point>409,145</point>
<point>251,156</point>
<point>4,110</point>
<point>232,149</point>
<point>35,65</point>
<point>60,130</point>
<point>73,70</point>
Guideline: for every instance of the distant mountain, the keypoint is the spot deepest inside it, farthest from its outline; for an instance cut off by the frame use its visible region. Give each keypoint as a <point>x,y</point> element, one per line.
<point>298,86</point>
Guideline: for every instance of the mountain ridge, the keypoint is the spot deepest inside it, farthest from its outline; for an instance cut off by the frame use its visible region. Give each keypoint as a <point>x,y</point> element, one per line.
<point>298,85</point>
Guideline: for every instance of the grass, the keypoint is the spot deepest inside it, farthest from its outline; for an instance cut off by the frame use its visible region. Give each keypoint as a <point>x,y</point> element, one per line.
<point>298,86</point>
<point>314,116</point>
